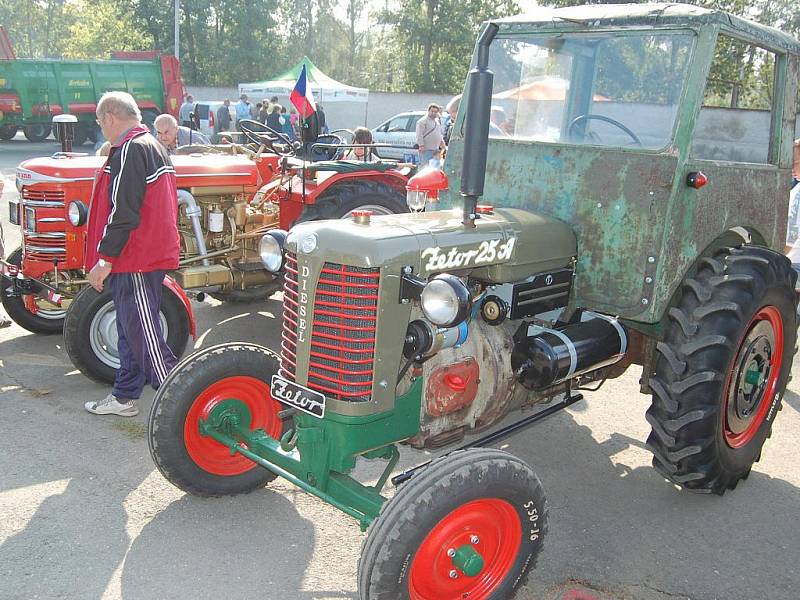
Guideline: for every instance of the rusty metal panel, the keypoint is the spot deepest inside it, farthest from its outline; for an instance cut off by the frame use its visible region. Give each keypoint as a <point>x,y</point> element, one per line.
<point>615,200</point>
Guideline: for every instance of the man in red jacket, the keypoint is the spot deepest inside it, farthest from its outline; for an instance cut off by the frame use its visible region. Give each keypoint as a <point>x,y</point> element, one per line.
<point>132,240</point>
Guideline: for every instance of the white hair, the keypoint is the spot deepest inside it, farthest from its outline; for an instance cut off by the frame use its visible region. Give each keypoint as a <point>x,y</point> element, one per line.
<point>119,104</point>
<point>165,118</point>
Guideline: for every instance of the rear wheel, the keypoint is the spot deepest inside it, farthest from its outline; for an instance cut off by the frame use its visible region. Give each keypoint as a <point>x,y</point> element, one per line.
<point>45,320</point>
<point>722,368</point>
<point>343,199</point>
<point>231,375</point>
<point>36,132</point>
<point>470,525</point>
<point>90,331</point>
<point>8,132</point>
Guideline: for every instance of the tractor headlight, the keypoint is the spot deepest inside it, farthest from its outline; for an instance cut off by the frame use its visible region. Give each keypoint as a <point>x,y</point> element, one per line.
<point>77,213</point>
<point>445,300</point>
<point>270,248</point>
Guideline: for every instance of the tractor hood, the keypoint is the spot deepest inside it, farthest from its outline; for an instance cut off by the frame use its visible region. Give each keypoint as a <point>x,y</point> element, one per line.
<point>194,170</point>
<point>507,245</point>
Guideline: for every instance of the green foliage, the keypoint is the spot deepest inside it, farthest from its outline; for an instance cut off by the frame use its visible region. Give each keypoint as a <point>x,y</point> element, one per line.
<point>109,29</point>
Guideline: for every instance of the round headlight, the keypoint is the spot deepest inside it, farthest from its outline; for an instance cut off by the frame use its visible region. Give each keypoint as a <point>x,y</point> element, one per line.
<point>270,248</point>
<point>445,300</point>
<point>308,243</point>
<point>76,212</point>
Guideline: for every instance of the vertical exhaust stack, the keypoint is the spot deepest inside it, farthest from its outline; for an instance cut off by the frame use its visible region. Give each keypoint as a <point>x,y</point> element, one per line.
<point>64,126</point>
<point>476,132</point>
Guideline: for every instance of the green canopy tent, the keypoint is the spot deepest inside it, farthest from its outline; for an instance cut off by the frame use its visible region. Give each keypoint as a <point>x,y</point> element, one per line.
<point>326,89</point>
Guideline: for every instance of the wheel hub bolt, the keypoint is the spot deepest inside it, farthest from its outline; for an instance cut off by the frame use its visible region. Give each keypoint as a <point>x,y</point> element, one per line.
<point>474,539</point>
<point>453,574</point>
<point>451,552</point>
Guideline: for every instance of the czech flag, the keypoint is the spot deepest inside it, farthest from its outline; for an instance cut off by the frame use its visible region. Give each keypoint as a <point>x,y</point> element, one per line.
<point>302,97</point>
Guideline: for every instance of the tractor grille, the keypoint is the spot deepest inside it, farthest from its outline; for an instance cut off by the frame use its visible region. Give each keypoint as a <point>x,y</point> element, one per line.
<point>47,247</point>
<point>34,196</point>
<point>342,349</point>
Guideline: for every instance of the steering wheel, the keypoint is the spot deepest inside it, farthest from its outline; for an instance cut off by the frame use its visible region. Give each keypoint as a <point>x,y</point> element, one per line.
<point>587,117</point>
<point>262,135</point>
<point>316,153</point>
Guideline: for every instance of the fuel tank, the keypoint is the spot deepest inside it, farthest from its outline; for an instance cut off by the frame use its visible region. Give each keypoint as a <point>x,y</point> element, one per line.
<point>506,245</point>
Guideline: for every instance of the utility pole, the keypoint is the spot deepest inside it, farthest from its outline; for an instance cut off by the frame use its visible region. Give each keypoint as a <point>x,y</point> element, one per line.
<point>177,29</point>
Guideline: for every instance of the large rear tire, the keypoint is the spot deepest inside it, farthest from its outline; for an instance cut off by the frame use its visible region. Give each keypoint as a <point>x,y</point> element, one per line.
<point>340,201</point>
<point>470,525</point>
<point>36,132</point>
<point>45,322</point>
<point>722,368</point>
<point>198,464</point>
<point>90,331</point>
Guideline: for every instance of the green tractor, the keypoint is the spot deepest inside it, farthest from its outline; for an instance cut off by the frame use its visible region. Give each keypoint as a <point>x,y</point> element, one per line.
<point>631,209</point>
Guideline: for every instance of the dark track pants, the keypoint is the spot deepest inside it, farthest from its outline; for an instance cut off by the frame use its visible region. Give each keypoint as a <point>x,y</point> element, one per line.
<point>143,352</point>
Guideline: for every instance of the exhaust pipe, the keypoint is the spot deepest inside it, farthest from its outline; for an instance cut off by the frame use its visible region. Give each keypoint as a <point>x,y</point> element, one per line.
<point>193,212</point>
<point>65,130</point>
<point>476,132</point>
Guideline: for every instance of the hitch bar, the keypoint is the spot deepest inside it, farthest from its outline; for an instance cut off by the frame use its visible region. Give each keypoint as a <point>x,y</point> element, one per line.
<point>18,284</point>
<point>496,436</point>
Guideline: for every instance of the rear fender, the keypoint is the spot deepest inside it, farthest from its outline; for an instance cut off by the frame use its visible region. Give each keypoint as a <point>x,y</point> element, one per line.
<point>173,287</point>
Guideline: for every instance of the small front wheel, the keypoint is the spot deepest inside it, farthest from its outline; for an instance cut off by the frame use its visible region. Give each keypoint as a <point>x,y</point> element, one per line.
<point>471,525</point>
<point>236,374</point>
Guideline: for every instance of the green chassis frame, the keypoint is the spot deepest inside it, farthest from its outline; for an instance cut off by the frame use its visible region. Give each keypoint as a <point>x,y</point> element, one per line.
<point>316,454</point>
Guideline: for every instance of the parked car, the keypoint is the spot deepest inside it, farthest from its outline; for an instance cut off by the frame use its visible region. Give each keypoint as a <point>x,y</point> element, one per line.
<point>206,113</point>
<point>400,130</point>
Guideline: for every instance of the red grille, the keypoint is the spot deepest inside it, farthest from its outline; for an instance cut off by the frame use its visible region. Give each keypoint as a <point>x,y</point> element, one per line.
<point>45,249</point>
<point>343,331</point>
<point>42,195</point>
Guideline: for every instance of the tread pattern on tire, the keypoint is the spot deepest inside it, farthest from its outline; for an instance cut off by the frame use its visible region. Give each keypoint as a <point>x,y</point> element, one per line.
<point>692,362</point>
<point>159,420</point>
<point>416,497</point>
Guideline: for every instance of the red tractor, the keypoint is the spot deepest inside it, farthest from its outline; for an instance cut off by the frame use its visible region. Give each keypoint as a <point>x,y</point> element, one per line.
<point>230,197</point>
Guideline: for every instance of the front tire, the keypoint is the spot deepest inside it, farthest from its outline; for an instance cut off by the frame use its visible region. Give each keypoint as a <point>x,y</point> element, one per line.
<point>36,132</point>
<point>471,525</point>
<point>7,132</point>
<point>200,465</point>
<point>90,331</point>
<point>45,321</point>
<point>722,368</point>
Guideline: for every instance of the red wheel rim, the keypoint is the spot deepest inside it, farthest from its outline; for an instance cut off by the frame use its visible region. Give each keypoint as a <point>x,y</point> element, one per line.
<point>769,357</point>
<point>497,527</point>
<point>207,453</point>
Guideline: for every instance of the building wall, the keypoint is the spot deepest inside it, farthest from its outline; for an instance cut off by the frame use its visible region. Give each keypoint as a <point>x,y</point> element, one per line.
<point>380,107</point>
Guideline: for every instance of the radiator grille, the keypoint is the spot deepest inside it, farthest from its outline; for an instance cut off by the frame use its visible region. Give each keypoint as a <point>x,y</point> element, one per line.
<point>342,349</point>
<point>37,195</point>
<point>47,249</point>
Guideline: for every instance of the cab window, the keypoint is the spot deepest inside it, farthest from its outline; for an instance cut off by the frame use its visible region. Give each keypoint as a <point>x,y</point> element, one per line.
<point>734,121</point>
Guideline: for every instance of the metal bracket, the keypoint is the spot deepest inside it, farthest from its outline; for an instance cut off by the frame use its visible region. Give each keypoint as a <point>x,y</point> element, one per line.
<point>410,286</point>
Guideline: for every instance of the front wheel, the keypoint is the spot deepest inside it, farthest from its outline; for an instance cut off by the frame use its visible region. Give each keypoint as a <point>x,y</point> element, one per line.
<point>47,319</point>
<point>90,331</point>
<point>233,375</point>
<point>470,525</point>
<point>36,132</point>
<point>722,368</point>
<point>7,132</point>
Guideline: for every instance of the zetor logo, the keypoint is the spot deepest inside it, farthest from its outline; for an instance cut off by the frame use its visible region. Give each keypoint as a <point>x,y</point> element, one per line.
<point>302,303</point>
<point>488,251</point>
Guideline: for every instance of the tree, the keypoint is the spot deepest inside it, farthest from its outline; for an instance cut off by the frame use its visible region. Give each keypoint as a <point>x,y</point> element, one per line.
<point>435,39</point>
<point>109,29</point>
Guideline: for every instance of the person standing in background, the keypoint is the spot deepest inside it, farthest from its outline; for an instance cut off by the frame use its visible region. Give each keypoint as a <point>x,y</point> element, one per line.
<point>222,122</point>
<point>323,126</point>
<point>242,108</point>
<point>185,112</point>
<point>274,118</point>
<point>429,135</point>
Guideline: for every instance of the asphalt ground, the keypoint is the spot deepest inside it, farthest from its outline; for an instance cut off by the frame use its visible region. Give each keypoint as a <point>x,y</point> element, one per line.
<point>85,515</point>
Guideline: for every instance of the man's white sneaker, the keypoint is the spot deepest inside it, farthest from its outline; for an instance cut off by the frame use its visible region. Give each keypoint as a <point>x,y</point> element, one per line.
<point>111,406</point>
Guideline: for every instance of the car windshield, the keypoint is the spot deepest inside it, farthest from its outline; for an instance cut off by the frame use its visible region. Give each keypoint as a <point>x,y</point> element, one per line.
<point>609,89</point>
